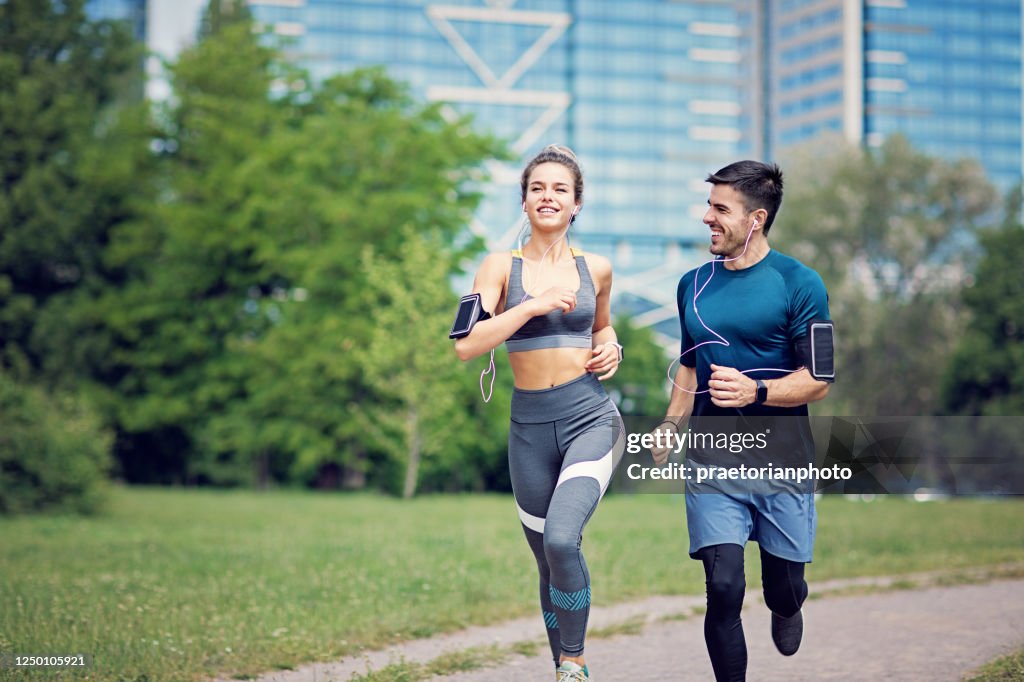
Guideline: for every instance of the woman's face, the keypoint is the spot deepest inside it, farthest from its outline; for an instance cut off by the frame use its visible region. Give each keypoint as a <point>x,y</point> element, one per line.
<point>550,197</point>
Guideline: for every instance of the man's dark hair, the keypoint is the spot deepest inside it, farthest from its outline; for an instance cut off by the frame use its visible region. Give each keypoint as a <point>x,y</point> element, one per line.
<point>759,183</point>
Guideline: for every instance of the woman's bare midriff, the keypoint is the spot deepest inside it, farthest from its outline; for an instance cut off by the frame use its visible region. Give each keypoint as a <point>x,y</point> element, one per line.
<point>547,367</point>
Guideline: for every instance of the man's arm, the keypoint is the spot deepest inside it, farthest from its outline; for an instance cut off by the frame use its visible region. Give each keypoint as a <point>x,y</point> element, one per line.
<point>730,388</point>
<point>680,406</point>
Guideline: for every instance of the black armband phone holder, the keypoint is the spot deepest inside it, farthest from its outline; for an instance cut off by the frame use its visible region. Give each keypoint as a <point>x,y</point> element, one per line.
<point>816,350</point>
<point>470,312</point>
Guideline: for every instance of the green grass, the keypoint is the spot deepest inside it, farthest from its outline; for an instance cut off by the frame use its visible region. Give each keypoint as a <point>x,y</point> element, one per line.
<point>1006,669</point>
<point>528,648</point>
<point>632,626</point>
<point>683,615</point>
<point>182,584</point>
<point>445,664</point>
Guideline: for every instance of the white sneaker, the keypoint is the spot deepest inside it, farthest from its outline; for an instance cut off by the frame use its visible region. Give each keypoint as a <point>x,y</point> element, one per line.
<point>572,672</point>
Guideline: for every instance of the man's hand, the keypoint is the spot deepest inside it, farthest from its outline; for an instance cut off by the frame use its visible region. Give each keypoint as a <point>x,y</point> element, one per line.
<point>730,388</point>
<point>668,430</point>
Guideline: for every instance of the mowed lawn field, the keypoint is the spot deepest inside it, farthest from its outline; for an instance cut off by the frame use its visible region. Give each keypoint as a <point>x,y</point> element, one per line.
<point>173,584</point>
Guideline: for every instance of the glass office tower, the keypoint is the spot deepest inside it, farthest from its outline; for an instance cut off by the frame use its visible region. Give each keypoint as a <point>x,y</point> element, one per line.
<point>133,11</point>
<point>652,95</point>
<point>948,75</point>
<point>944,73</point>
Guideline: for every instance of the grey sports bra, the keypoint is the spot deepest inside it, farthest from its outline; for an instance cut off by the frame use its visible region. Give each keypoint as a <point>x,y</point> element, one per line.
<point>555,329</point>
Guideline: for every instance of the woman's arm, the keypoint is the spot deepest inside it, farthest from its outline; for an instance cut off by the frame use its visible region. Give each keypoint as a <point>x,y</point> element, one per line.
<point>490,284</point>
<point>603,339</point>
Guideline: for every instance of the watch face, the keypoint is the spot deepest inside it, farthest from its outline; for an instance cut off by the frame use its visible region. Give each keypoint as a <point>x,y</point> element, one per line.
<point>762,391</point>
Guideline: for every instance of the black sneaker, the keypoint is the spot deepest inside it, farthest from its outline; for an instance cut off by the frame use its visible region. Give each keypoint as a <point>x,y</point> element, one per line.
<point>787,632</point>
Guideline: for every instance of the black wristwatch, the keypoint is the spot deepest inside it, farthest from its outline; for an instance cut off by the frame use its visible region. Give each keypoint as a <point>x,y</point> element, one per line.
<point>762,392</point>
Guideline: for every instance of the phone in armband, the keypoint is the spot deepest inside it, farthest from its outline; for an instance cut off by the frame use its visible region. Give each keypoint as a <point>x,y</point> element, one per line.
<point>470,312</point>
<point>816,350</point>
<point>823,367</point>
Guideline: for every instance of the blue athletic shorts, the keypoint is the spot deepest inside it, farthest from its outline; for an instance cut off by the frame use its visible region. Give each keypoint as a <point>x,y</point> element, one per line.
<point>783,524</point>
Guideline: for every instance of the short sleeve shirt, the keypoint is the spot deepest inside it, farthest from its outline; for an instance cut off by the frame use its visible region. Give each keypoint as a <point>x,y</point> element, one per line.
<point>750,320</point>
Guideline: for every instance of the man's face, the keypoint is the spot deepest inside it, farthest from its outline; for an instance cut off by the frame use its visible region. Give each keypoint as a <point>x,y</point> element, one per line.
<point>729,221</point>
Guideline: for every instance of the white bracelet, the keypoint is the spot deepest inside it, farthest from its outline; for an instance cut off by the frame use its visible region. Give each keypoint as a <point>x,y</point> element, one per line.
<point>617,345</point>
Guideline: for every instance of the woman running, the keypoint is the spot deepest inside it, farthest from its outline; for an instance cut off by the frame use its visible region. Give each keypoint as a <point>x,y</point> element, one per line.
<point>551,309</point>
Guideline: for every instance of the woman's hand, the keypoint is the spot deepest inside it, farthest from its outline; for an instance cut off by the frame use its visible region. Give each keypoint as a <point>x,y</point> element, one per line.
<point>605,361</point>
<point>555,298</point>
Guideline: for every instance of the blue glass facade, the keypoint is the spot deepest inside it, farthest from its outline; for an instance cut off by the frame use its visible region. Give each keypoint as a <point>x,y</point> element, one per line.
<point>947,75</point>
<point>808,65</point>
<point>659,100</point>
<point>652,95</point>
<point>133,11</point>
<point>944,73</point>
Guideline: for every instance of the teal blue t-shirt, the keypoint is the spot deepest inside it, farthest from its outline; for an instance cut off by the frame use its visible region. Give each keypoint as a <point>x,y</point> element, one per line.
<point>760,311</point>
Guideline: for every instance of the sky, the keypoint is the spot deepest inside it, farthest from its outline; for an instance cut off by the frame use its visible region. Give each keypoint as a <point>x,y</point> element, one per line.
<point>171,25</point>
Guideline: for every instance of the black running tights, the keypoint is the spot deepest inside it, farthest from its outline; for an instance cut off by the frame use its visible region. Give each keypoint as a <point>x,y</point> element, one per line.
<point>784,593</point>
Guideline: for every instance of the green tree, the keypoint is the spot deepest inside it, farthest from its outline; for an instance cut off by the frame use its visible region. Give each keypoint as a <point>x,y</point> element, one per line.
<point>408,363</point>
<point>54,452</point>
<point>231,340</point>
<point>165,327</point>
<point>986,373</point>
<point>72,147</point>
<point>639,387</point>
<point>221,13</point>
<point>75,167</point>
<point>891,231</point>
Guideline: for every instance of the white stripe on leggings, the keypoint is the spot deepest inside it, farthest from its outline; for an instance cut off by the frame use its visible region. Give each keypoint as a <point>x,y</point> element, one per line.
<point>530,521</point>
<point>599,469</point>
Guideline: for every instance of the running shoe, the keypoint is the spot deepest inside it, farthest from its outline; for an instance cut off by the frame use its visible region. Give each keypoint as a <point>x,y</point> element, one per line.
<point>787,632</point>
<point>572,672</point>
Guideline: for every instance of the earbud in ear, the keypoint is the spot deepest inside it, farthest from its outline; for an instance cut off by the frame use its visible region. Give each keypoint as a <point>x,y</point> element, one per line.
<point>755,223</point>
<point>575,211</point>
<point>524,207</point>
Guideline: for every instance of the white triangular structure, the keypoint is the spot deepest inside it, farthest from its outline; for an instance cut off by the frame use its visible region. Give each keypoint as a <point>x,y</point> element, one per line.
<point>497,88</point>
<point>554,105</point>
<point>498,13</point>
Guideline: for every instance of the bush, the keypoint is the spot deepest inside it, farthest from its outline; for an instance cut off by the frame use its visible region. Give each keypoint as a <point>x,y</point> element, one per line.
<point>54,453</point>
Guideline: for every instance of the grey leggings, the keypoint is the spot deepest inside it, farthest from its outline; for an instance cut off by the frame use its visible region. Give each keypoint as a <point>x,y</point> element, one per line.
<point>563,446</point>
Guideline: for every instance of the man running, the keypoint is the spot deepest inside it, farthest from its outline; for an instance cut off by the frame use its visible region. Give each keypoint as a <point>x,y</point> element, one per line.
<point>756,349</point>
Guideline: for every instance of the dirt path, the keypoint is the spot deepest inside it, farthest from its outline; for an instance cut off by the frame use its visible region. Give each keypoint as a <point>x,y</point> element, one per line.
<point>930,633</point>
